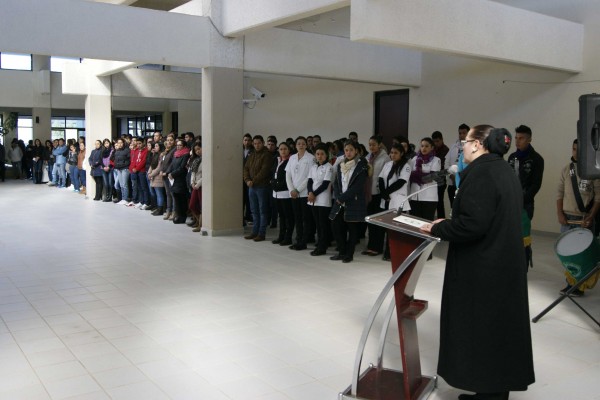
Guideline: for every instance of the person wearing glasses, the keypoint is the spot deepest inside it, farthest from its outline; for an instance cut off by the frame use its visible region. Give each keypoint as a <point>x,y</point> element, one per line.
<point>485,336</point>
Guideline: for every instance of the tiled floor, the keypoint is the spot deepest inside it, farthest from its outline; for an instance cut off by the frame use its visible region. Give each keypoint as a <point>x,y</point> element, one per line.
<point>99,301</point>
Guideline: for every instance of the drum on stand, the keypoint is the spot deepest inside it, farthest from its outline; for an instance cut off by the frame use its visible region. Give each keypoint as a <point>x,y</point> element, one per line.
<point>578,250</point>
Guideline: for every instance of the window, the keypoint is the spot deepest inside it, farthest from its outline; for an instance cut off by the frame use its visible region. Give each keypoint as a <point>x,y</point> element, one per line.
<point>68,127</point>
<point>25,128</point>
<point>144,126</point>
<point>57,64</point>
<point>15,61</point>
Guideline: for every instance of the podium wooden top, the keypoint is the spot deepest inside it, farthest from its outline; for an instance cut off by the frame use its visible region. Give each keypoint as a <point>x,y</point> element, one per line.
<point>386,220</point>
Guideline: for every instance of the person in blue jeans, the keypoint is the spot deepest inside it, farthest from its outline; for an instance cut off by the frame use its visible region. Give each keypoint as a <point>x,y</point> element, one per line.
<point>256,175</point>
<point>59,174</point>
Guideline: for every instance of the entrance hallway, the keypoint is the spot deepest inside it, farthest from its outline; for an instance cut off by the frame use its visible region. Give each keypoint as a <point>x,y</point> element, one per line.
<point>99,301</point>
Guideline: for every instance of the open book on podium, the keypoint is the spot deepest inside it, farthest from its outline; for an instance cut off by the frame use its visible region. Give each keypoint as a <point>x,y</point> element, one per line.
<point>409,250</point>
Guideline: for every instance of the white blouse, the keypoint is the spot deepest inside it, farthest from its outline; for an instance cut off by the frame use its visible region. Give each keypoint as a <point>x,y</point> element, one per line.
<point>320,173</point>
<point>297,173</point>
<point>435,164</point>
<point>399,196</point>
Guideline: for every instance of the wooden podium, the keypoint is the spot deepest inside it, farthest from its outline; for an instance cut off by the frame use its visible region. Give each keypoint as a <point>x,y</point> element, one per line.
<point>409,249</point>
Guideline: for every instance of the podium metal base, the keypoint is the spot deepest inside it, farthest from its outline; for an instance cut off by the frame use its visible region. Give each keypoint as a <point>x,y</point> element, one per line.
<point>387,384</point>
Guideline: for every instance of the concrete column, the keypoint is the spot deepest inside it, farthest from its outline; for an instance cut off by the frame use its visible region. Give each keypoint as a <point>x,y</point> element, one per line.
<point>41,111</point>
<point>222,130</point>
<point>167,120</point>
<point>42,127</point>
<point>98,116</point>
<point>190,117</point>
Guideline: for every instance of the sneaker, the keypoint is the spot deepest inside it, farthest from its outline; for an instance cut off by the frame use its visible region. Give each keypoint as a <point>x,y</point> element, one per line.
<point>138,205</point>
<point>144,207</point>
<point>51,184</point>
<point>122,202</point>
<point>130,204</point>
<point>76,190</point>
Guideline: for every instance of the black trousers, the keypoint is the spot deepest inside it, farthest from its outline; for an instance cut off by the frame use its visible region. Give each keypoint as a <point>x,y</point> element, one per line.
<point>441,209</point>
<point>181,205</point>
<point>99,187</point>
<point>423,209</point>
<point>286,219</point>
<point>376,233</point>
<point>305,226</point>
<point>346,234</point>
<point>323,226</point>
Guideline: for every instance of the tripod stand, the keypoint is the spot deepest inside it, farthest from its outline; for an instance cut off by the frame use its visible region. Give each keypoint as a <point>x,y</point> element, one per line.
<point>567,294</point>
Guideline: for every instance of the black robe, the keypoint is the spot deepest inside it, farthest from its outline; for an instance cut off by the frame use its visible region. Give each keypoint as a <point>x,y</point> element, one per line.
<point>485,336</point>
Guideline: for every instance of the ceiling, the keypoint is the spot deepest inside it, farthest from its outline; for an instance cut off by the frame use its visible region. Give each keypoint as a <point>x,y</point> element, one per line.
<point>337,22</point>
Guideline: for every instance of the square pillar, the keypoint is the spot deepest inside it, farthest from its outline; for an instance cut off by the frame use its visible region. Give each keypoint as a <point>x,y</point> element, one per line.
<point>98,116</point>
<point>222,131</point>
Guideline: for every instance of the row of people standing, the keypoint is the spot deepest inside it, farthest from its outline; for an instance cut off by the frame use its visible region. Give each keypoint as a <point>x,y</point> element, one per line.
<point>162,176</point>
<point>330,195</point>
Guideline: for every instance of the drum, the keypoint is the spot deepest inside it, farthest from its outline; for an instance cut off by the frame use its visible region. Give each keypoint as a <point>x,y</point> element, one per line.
<point>578,250</point>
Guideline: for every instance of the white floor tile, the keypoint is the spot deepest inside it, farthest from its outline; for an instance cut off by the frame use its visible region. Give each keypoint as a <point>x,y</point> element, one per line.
<point>181,319</point>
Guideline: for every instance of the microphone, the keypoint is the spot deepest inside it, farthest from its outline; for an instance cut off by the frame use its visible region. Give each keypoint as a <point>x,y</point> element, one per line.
<point>439,177</point>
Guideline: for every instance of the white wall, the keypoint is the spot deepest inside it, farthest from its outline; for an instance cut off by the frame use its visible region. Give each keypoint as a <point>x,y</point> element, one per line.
<point>304,106</point>
<point>459,90</point>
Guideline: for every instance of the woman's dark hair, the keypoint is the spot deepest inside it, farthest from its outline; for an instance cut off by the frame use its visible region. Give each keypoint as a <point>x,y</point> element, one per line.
<point>48,143</point>
<point>286,144</point>
<point>301,138</point>
<point>428,140</point>
<point>498,141</point>
<point>323,147</point>
<point>494,140</point>
<point>377,138</point>
<point>403,159</point>
<point>351,143</point>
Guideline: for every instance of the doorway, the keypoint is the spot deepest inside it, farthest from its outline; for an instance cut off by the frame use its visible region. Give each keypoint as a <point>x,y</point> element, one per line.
<point>391,114</point>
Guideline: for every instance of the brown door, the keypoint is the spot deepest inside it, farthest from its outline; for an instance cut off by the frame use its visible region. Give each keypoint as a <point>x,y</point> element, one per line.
<point>391,114</point>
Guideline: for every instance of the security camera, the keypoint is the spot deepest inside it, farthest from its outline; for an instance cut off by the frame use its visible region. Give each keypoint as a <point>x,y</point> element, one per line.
<point>257,93</point>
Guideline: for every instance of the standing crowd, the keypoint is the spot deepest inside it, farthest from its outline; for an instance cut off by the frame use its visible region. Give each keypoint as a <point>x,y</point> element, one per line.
<point>320,192</point>
<point>161,175</point>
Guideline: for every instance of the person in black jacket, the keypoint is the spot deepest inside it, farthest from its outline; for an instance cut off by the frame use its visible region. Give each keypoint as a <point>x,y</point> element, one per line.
<point>350,206</point>
<point>121,157</point>
<point>528,164</point>
<point>485,336</point>
<point>37,161</point>
<point>282,196</point>
<point>95,161</point>
<point>177,173</point>
<point>529,167</point>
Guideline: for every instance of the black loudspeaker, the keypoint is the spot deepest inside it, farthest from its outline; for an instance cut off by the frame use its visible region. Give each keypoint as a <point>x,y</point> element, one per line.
<point>588,136</point>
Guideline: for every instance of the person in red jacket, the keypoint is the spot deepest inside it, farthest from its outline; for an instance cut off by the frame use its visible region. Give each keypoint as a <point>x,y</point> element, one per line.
<point>137,172</point>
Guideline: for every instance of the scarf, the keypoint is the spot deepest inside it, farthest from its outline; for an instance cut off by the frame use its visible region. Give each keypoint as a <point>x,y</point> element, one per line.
<point>182,152</point>
<point>416,176</point>
<point>196,164</point>
<point>347,165</point>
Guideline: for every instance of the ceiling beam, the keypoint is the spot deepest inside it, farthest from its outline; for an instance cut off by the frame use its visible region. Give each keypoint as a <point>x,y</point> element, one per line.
<point>476,28</point>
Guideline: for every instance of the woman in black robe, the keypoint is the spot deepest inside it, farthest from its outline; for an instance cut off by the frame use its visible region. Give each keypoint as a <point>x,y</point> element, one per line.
<point>485,336</point>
